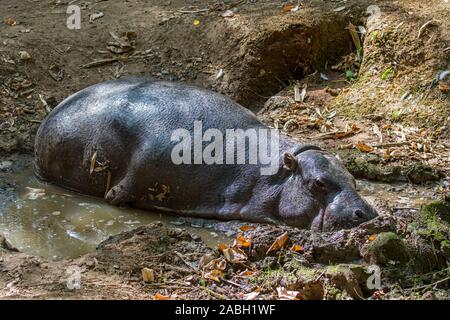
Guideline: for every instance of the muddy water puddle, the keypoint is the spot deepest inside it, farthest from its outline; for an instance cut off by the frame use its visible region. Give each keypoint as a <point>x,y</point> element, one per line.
<point>49,221</point>
<point>52,222</point>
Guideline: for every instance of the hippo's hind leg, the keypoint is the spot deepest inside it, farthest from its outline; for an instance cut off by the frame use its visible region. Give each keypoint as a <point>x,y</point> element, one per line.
<point>120,194</point>
<point>124,191</point>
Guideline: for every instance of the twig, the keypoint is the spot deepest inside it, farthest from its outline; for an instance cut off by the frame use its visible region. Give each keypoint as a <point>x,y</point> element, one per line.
<point>235,4</point>
<point>390,144</point>
<point>233,283</point>
<point>426,24</point>
<point>193,11</point>
<point>446,50</point>
<point>320,276</point>
<point>175,268</point>
<point>429,285</point>
<point>165,286</point>
<point>33,120</point>
<point>403,208</point>
<point>101,62</point>
<point>213,293</point>
<point>187,263</point>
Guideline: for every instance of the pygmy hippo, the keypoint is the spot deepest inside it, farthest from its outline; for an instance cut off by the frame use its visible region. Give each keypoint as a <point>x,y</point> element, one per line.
<point>166,146</point>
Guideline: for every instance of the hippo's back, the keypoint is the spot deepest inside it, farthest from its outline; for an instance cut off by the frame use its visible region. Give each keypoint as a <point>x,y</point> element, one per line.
<point>144,100</point>
<point>114,118</point>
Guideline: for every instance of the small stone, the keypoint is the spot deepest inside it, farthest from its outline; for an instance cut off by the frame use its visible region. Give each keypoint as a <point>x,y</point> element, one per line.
<point>23,55</point>
<point>5,164</point>
<point>56,213</point>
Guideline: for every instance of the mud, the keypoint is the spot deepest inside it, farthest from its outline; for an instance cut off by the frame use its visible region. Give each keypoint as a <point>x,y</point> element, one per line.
<point>262,50</point>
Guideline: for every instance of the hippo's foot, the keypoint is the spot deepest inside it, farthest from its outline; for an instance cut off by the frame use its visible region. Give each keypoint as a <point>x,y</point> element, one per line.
<point>118,195</point>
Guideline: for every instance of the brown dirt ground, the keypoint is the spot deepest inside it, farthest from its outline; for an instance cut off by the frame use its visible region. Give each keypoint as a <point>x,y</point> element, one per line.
<point>263,51</point>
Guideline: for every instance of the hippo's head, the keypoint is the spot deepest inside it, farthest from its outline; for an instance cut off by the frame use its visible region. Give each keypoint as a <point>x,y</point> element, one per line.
<point>320,192</point>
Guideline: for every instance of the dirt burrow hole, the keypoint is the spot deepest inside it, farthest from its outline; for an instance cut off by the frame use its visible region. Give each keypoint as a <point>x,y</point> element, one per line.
<point>270,60</point>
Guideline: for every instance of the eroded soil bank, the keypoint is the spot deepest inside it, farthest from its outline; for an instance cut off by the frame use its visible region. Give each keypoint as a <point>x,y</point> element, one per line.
<point>382,108</point>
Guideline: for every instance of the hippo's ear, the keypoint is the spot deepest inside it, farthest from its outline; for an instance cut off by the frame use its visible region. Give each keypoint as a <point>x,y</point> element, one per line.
<point>290,162</point>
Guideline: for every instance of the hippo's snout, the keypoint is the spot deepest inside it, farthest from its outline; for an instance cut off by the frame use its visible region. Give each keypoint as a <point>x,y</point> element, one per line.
<point>347,210</point>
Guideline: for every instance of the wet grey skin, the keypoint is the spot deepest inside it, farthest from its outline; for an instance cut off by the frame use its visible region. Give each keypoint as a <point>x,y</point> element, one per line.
<point>128,124</point>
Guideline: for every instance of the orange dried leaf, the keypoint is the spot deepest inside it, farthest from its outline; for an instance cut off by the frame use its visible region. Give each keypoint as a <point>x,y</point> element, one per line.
<point>279,243</point>
<point>354,127</point>
<point>296,248</point>
<point>159,296</point>
<point>10,22</point>
<point>246,273</point>
<point>247,228</point>
<point>234,255</point>
<point>363,147</point>
<point>443,87</point>
<point>222,246</point>
<point>219,263</point>
<point>214,275</point>
<point>243,241</point>
<point>372,237</point>
<point>342,134</point>
<point>288,7</point>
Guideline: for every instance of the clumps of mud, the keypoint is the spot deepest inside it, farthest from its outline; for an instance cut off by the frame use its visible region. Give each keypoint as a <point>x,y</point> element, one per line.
<point>408,253</point>
<point>371,167</point>
<point>114,271</point>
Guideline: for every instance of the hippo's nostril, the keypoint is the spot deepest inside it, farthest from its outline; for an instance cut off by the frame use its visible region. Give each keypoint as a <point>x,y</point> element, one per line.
<point>358,214</point>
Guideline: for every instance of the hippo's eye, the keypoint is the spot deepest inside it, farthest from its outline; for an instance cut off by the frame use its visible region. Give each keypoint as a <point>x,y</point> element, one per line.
<point>319,184</point>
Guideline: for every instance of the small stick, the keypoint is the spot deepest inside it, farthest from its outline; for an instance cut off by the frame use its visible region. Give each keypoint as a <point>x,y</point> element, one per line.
<point>187,263</point>
<point>98,63</point>
<point>32,120</point>
<point>175,268</point>
<point>233,283</point>
<point>429,285</point>
<point>193,11</point>
<point>391,144</point>
<point>213,293</point>
<point>426,24</point>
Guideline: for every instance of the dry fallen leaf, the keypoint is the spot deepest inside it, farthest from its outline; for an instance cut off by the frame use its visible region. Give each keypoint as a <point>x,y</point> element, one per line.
<point>222,246</point>
<point>159,296</point>
<point>93,160</point>
<point>251,295</point>
<point>363,147</point>
<point>148,275</point>
<point>234,255</point>
<point>246,273</point>
<point>279,243</point>
<point>243,241</point>
<point>372,237</point>
<point>377,132</point>
<point>247,228</point>
<point>288,7</point>
<point>443,87</point>
<point>214,275</point>
<point>196,22</point>
<point>284,294</point>
<point>10,22</point>
<point>205,260</point>
<point>219,263</point>
<point>296,248</point>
